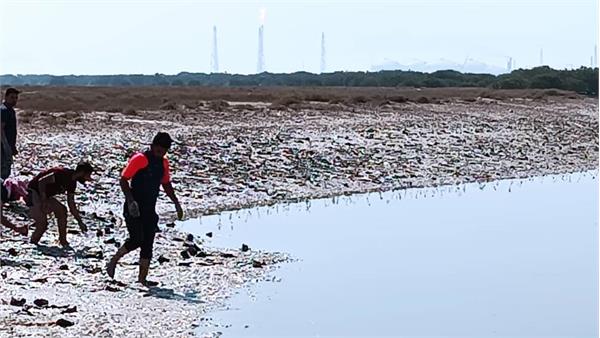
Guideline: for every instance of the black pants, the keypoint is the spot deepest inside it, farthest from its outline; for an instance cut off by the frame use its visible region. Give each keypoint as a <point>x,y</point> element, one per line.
<point>141,232</point>
<point>6,162</point>
<point>3,193</point>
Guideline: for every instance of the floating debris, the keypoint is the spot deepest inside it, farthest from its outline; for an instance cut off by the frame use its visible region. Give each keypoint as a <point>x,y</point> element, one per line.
<point>162,259</point>
<point>110,241</point>
<point>70,309</point>
<point>93,253</point>
<point>40,302</point>
<point>94,269</point>
<point>17,302</point>
<point>185,254</point>
<point>193,250</point>
<point>64,323</point>
<point>111,288</point>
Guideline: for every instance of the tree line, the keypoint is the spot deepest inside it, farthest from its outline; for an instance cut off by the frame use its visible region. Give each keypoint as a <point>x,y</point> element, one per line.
<point>583,80</point>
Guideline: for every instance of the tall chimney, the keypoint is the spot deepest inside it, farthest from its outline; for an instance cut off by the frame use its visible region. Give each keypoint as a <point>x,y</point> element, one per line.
<point>214,60</point>
<point>323,64</point>
<point>260,67</point>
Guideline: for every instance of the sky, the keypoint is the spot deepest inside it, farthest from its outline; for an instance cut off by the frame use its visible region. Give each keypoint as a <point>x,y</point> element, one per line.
<point>147,37</point>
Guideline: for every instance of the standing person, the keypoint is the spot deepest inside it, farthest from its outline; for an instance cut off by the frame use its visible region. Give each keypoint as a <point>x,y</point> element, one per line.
<point>147,171</point>
<point>6,153</point>
<point>9,129</point>
<point>43,188</point>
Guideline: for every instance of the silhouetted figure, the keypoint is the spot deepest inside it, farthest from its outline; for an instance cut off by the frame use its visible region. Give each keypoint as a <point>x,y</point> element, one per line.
<point>8,119</point>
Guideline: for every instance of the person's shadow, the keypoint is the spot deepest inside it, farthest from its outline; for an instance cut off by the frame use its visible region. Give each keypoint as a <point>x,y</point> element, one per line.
<point>58,251</point>
<point>165,293</point>
<point>54,251</point>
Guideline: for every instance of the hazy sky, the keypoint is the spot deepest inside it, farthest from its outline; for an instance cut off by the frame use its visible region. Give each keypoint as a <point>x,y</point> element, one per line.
<point>109,37</point>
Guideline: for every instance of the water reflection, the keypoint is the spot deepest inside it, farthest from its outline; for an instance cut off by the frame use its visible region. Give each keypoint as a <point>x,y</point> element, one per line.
<point>510,258</point>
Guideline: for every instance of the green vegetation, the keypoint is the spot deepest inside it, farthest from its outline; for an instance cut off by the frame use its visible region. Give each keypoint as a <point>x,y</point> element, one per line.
<point>583,80</point>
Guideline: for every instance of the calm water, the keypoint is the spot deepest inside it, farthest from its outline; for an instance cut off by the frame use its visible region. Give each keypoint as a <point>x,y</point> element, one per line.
<point>515,258</point>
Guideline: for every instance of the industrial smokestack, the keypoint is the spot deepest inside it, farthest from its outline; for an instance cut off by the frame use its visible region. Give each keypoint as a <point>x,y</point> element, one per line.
<point>260,67</point>
<point>541,56</point>
<point>214,59</point>
<point>323,64</point>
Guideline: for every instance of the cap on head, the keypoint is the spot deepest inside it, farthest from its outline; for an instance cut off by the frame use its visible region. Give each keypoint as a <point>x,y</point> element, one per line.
<point>162,139</point>
<point>11,90</point>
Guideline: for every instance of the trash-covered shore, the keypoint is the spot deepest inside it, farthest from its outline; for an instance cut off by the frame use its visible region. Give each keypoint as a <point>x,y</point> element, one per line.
<point>231,156</point>
<point>48,291</point>
<point>234,155</point>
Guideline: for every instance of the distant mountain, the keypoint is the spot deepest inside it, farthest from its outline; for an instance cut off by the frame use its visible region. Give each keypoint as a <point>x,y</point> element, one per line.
<point>469,66</point>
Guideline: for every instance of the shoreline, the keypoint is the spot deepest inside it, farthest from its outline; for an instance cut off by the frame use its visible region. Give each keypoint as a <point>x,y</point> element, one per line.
<point>335,194</point>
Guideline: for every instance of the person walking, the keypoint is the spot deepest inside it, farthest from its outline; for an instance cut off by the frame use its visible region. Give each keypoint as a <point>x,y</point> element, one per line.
<point>140,182</point>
